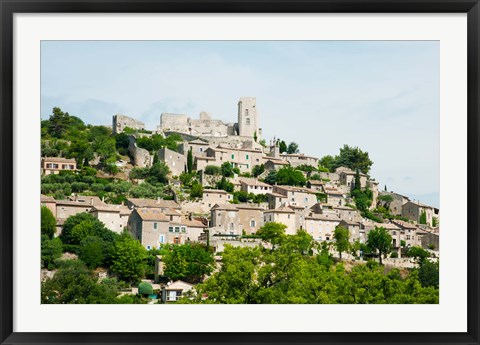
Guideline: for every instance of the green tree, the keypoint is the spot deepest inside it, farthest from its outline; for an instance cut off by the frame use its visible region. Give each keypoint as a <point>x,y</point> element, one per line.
<point>213,170</point>
<point>75,284</point>
<point>257,170</point>
<point>273,233</point>
<point>271,178</point>
<point>255,136</point>
<point>223,184</point>
<point>128,258</point>
<point>197,190</point>
<point>227,170</point>
<point>145,288</point>
<point>51,250</point>
<point>282,146</point>
<point>190,161</point>
<point>79,226</point>
<point>418,253</point>
<point>47,222</point>
<point>328,162</point>
<point>93,251</point>
<point>292,148</point>
<point>379,240</point>
<point>158,173</point>
<point>353,158</point>
<point>341,236</point>
<point>290,176</point>
<point>428,273</point>
<point>188,262</point>
<point>106,149</point>
<point>423,217</point>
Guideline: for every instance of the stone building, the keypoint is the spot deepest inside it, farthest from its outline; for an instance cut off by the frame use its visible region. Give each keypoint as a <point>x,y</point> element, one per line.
<point>176,162</point>
<point>321,226</point>
<point>252,185</point>
<point>395,206</point>
<point>296,196</point>
<point>224,220</point>
<point>115,217</point>
<point>413,210</point>
<point>245,128</point>
<point>120,122</point>
<point>347,177</point>
<point>285,215</point>
<point>299,159</point>
<point>216,196</point>
<point>250,218</point>
<point>154,227</point>
<point>53,165</point>
<point>133,203</point>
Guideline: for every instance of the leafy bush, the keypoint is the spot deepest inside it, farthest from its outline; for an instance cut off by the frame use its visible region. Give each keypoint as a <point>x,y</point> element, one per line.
<point>212,170</point>
<point>145,288</point>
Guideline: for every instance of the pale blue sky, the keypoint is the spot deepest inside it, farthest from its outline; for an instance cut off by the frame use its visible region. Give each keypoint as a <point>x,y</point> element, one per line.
<point>382,96</point>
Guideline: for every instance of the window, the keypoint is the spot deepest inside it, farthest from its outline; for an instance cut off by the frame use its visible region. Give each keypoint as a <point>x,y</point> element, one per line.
<point>247,158</point>
<point>248,167</point>
<point>246,112</point>
<point>177,229</point>
<point>247,121</point>
<point>155,226</point>
<point>288,216</point>
<point>161,239</point>
<point>148,247</point>
<point>233,156</point>
<point>170,229</point>
<point>252,223</point>
<point>184,229</point>
<point>231,226</point>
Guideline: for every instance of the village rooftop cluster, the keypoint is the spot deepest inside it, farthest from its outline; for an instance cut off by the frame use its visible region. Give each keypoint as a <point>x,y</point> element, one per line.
<point>214,217</point>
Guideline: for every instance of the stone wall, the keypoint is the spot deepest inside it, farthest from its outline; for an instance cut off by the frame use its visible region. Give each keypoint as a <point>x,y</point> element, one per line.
<point>121,121</point>
<point>141,157</point>
<point>204,126</point>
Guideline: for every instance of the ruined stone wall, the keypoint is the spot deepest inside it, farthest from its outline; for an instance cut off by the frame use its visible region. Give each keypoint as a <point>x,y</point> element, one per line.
<point>203,126</point>
<point>141,157</point>
<point>173,122</point>
<point>121,121</point>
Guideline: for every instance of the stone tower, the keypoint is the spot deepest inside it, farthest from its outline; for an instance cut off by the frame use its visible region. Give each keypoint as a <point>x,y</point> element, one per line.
<point>247,118</point>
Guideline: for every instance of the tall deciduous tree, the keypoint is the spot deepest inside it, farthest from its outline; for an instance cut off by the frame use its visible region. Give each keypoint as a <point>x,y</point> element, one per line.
<point>341,236</point>
<point>380,240</point>
<point>48,222</point>
<point>188,262</point>
<point>290,176</point>
<point>128,258</point>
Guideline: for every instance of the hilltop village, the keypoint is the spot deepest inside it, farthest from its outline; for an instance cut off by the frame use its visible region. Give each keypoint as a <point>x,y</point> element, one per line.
<point>206,182</point>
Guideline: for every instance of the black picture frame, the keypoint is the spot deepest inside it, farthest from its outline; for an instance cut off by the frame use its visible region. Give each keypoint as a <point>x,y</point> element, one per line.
<point>9,7</point>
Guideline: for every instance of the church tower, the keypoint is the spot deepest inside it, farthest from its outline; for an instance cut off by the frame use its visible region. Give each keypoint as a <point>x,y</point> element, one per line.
<point>247,118</point>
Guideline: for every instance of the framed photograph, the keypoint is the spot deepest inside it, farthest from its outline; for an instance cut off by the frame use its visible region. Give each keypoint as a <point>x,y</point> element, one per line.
<point>239,172</point>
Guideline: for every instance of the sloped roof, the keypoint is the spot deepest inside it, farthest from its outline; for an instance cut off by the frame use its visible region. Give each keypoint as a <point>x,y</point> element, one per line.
<point>152,214</point>
<point>253,182</point>
<point>228,207</point>
<point>59,160</point>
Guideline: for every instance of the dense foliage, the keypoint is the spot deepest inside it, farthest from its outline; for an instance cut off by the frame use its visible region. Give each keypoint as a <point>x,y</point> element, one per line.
<point>189,262</point>
<point>350,157</point>
<point>291,272</point>
<point>47,222</point>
